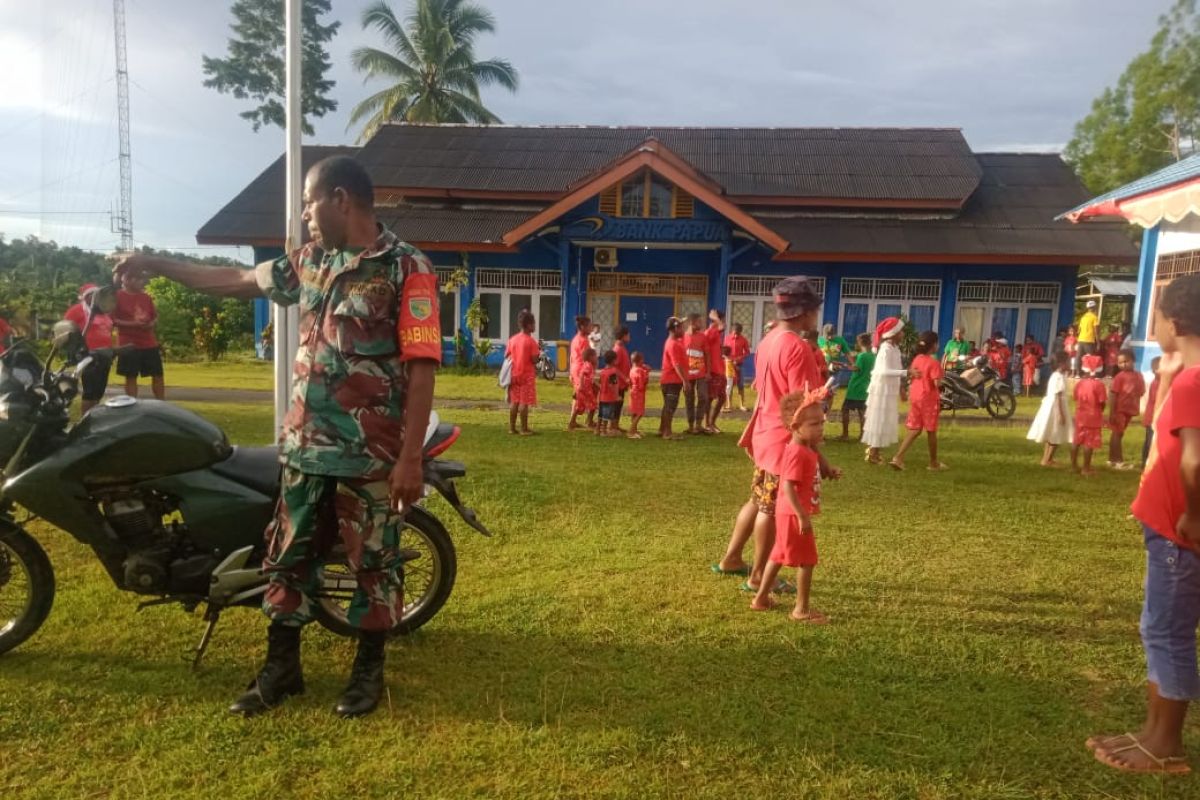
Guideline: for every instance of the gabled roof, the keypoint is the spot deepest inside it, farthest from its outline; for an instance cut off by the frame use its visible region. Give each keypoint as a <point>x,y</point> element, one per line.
<point>917,167</point>
<point>1171,193</point>
<point>652,155</point>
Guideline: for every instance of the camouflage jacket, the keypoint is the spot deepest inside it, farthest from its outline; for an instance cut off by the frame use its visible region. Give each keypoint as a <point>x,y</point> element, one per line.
<point>362,317</point>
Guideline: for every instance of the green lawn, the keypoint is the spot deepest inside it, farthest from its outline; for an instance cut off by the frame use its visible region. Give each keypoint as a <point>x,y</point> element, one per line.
<point>984,623</point>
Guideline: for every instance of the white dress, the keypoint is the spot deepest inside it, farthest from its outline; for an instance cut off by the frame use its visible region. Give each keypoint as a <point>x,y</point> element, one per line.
<point>883,397</point>
<point>1047,427</point>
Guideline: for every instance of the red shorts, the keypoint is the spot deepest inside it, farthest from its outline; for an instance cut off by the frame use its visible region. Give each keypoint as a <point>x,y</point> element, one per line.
<point>1088,437</point>
<point>923,415</point>
<point>523,391</point>
<point>793,547</point>
<point>716,387</point>
<point>1119,422</point>
<point>637,404</point>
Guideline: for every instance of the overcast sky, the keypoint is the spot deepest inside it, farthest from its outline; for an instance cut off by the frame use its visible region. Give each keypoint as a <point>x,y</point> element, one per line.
<point>1013,74</point>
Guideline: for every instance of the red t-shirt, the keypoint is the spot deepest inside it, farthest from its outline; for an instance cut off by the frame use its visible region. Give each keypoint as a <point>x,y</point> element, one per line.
<point>925,386</point>
<point>784,364</point>
<point>821,361</point>
<point>99,335</point>
<point>623,364</point>
<point>585,392</point>
<point>1090,395</point>
<point>1128,386</point>
<point>138,307</point>
<point>739,347</point>
<point>697,347</point>
<point>1160,500</point>
<point>799,465</point>
<point>716,361</point>
<point>578,345</point>
<point>638,378</point>
<point>674,355</point>
<point>523,350</point>
<point>611,384</point>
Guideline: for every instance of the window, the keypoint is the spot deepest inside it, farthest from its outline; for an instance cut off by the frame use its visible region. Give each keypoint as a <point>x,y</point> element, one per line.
<point>752,303</point>
<point>868,301</point>
<point>1171,266</point>
<point>646,195</point>
<point>504,292</point>
<point>1014,308</point>
<point>448,304</point>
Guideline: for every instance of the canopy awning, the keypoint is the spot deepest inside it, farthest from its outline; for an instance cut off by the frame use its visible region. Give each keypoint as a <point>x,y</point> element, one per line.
<point>1110,287</point>
<point>1170,194</point>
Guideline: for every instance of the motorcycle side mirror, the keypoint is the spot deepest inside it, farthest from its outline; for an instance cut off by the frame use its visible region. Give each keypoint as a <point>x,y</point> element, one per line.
<point>65,335</point>
<point>102,300</point>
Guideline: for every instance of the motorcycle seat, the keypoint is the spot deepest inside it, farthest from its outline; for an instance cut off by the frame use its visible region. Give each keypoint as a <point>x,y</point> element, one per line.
<point>256,467</point>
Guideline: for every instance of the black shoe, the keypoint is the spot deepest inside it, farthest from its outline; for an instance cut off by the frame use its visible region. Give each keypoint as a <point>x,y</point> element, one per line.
<point>363,693</point>
<point>280,677</point>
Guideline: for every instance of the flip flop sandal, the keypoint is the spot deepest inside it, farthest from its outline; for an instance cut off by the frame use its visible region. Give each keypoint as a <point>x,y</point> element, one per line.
<point>896,465</point>
<point>1173,765</point>
<point>781,587</point>
<point>741,572</point>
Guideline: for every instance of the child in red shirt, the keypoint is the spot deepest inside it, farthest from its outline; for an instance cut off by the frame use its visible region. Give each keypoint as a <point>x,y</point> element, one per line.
<point>1029,365</point>
<point>639,378</point>
<point>612,386</point>
<point>135,318</point>
<point>1090,396</point>
<point>799,501</point>
<point>1125,402</point>
<point>585,391</point>
<point>695,391</point>
<point>924,401</point>
<point>524,350</point>
<point>1148,415</point>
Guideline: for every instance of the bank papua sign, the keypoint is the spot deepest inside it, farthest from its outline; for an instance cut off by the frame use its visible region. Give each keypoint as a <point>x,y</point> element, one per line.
<point>616,229</point>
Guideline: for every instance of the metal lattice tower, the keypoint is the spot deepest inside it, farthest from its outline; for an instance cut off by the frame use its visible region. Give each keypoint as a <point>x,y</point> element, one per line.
<point>123,224</point>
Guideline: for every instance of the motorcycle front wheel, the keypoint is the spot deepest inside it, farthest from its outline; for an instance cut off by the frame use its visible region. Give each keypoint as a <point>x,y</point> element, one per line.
<point>26,585</point>
<point>430,568</point>
<point>549,371</point>
<point>1001,402</point>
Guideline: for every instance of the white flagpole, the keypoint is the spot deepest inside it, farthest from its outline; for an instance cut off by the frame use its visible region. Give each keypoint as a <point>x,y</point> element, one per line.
<point>287,319</point>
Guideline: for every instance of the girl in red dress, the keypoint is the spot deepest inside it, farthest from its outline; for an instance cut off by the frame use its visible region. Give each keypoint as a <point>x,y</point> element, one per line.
<point>585,391</point>
<point>924,401</point>
<point>639,378</point>
<point>1090,397</point>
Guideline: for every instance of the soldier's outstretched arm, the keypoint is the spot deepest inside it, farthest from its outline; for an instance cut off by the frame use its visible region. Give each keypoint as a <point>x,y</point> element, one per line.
<point>220,281</point>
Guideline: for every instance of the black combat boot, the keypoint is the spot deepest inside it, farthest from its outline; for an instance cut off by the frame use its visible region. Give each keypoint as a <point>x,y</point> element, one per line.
<point>366,677</point>
<point>279,678</point>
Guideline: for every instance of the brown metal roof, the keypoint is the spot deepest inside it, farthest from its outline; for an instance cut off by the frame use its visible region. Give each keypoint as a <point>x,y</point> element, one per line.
<point>443,225</point>
<point>887,164</point>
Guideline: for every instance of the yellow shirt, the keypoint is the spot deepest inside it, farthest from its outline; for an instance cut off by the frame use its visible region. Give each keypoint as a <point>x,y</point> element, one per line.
<point>1087,327</point>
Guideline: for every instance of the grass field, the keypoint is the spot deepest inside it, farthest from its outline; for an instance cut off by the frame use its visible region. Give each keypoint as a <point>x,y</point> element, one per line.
<point>984,623</point>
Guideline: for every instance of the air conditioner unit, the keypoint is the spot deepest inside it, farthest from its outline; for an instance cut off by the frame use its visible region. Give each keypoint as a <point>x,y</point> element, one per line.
<point>604,258</point>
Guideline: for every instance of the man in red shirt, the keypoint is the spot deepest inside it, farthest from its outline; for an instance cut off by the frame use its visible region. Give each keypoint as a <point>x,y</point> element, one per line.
<point>94,380</point>
<point>739,350</point>
<point>695,391</point>
<point>713,335</point>
<point>784,364</point>
<point>673,377</point>
<point>135,318</point>
<point>624,365</point>
<point>523,349</point>
<point>1168,506</point>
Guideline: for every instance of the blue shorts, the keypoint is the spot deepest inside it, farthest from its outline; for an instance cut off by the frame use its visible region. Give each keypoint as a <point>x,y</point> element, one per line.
<point>1170,614</point>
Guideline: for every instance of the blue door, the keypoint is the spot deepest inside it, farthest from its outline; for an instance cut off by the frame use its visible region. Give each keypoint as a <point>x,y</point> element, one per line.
<point>1004,320</point>
<point>855,320</point>
<point>646,318</point>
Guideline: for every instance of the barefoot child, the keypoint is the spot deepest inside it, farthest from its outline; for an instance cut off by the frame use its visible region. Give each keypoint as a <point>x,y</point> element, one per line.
<point>1052,425</point>
<point>1090,396</point>
<point>673,376</point>
<point>924,399</point>
<point>696,389</point>
<point>1125,401</point>
<point>639,377</point>
<point>612,386</point>
<point>856,389</point>
<point>585,391</point>
<point>523,349</point>
<point>800,500</point>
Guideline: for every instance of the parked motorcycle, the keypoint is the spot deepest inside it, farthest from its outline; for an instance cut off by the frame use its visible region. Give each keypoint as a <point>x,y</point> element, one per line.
<point>172,510</point>
<point>977,385</point>
<point>545,365</point>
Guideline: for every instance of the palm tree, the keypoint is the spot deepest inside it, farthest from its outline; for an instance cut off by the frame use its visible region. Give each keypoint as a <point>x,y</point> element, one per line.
<point>431,58</point>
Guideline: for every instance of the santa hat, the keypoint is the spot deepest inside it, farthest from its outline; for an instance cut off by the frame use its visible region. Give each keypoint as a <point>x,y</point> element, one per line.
<point>890,327</point>
<point>87,287</point>
<point>1092,364</point>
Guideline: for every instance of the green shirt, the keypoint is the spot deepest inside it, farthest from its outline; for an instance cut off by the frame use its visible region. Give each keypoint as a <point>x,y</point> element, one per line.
<point>864,362</point>
<point>954,349</point>
<point>836,350</point>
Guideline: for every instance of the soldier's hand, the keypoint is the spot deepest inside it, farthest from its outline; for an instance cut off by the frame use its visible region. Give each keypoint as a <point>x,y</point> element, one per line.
<point>125,263</point>
<point>406,483</point>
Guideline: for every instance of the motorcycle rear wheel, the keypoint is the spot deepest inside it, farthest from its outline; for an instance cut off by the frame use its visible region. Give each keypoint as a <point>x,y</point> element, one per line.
<point>1001,403</point>
<point>428,578</point>
<point>26,585</point>
<point>549,371</point>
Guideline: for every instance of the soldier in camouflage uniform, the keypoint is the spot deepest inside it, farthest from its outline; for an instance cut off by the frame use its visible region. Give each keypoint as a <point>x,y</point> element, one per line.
<point>369,345</point>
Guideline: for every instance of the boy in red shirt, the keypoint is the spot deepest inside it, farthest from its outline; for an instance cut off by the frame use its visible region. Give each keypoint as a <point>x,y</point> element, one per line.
<point>639,378</point>
<point>585,390</point>
<point>94,380</point>
<point>612,386</point>
<point>800,490</point>
<point>739,350</point>
<point>1090,396</point>
<point>135,318</point>
<point>924,401</point>
<point>673,377</point>
<point>695,391</point>
<point>1168,506</point>
<point>1124,403</point>
<point>714,334</point>
<point>524,350</point>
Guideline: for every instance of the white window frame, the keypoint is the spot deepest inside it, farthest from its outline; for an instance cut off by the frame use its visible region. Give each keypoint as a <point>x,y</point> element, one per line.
<point>757,289</point>
<point>443,275</point>
<point>902,292</point>
<point>535,283</point>
<point>1023,295</point>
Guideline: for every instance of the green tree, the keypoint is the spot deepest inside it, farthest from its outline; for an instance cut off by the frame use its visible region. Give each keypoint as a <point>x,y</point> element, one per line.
<point>1150,118</point>
<point>254,66</point>
<point>430,58</point>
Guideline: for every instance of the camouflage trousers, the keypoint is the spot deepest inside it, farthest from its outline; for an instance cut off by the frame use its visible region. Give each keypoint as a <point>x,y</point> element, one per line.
<point>316,513</point>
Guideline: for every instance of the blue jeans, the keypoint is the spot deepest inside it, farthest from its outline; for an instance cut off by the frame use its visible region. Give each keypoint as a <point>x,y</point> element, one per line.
<point>1170,614</point>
